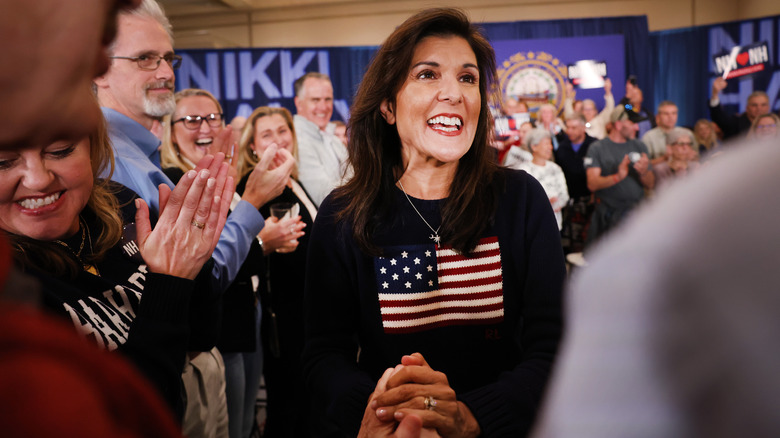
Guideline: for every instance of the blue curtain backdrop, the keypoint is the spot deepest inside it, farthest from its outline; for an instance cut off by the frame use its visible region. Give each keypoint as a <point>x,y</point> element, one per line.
<point>683,66</point>
<point>243,79</point>
<point>634,30</point>
<point>672,65</point>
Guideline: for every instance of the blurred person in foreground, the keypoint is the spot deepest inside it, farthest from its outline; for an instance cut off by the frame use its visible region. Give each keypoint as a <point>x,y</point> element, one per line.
<point>671,330</point>
<point>48,77</point>
<point>45,366</point>
<point>427,222</point>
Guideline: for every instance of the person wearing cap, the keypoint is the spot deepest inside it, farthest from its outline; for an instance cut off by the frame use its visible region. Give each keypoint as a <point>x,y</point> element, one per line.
<point>618,172</point>
<point>633,101</point>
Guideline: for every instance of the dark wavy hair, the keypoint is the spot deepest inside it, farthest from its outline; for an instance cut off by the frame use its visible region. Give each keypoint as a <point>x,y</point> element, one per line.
<point>375,147</point>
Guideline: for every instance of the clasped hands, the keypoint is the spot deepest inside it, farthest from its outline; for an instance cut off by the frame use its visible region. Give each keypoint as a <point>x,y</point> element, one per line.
<point>399,401</point>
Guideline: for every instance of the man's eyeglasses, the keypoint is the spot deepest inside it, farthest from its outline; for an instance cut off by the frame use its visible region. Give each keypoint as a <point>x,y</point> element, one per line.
<point>152,62</point>
<point>193,122</point>
<point>682,143</point>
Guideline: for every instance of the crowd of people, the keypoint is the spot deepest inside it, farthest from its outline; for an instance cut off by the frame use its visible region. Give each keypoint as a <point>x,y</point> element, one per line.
<point>623,156</point>
<point>398,276</point>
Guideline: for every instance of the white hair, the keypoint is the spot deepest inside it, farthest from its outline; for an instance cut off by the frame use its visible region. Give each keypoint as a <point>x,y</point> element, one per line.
<point>148,9</point>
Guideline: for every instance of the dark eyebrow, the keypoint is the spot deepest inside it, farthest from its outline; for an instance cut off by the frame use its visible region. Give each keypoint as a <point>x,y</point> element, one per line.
<point>436,64</point>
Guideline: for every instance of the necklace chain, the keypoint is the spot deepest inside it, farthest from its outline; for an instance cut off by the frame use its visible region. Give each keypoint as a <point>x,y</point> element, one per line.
<point>85,235</point>
<point>435,236</point>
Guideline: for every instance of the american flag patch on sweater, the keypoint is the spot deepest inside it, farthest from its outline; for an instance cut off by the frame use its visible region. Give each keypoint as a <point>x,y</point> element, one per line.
<point>425,286</point>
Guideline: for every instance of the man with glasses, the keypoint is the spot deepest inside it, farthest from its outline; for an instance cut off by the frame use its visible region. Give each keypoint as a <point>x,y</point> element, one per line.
<point>135,94</point>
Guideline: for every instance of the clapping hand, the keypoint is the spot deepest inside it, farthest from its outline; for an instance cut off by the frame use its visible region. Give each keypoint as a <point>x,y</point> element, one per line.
<point>270,175</point>
<point>191,220</point>
<point>226,142</point>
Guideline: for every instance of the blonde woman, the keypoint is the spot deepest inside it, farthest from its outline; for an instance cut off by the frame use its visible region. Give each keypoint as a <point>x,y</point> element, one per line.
<point>281,286</point>
<point>196,124</point>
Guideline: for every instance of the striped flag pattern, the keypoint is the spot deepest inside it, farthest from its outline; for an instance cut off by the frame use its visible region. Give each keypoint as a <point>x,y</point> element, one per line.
<point>426,286</point>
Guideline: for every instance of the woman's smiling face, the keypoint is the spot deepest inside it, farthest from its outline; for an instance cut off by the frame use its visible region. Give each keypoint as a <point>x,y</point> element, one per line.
<point>193,143</point>
<point>43,189</point>
<point>437,108</point>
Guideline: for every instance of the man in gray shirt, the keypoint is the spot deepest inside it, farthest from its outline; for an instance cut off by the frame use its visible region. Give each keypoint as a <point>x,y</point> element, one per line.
<point>618,172</point>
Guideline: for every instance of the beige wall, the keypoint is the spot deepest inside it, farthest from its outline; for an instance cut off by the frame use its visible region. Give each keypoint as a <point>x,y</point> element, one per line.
<point>368,22</point>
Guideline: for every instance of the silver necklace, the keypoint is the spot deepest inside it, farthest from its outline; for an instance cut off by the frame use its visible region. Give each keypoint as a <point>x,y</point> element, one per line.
<point>435,236</point>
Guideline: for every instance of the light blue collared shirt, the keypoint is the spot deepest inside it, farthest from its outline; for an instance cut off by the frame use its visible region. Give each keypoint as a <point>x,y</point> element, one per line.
<point>137,166</point>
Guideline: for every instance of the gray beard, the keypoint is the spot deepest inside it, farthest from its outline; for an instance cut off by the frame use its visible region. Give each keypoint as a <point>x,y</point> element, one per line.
<point>159,107</point>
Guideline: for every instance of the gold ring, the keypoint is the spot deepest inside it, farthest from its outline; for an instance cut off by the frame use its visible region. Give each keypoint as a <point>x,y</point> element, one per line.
<point>430,403</point>
<point>200,225</point>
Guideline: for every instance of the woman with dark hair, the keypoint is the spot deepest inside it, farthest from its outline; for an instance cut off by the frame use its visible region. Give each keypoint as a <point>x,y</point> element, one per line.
<point>431,249</point>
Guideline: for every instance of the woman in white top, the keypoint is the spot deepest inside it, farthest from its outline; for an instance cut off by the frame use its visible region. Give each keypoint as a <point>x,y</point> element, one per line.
<point>596,122</point>
<point>549,174</point>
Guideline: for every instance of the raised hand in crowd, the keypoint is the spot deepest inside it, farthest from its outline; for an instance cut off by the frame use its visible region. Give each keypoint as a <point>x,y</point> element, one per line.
<point>717,86</point>
<point>607,86</point>
<point>269,176</point>
<point>226,141</point>
<point>191,219</point>
<point>416,388</point>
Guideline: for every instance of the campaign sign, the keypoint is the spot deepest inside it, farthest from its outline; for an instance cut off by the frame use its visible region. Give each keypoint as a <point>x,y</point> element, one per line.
<point>743,60</point>
<point>587,73</point>
<point>244,79</point>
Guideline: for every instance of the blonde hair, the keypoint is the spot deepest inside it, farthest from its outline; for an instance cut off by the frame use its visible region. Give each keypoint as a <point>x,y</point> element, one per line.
<point>711,140</point>
<point>53,258</point>
<point>170,154</point>
<point>247,158</point>
<point>754,125</point>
